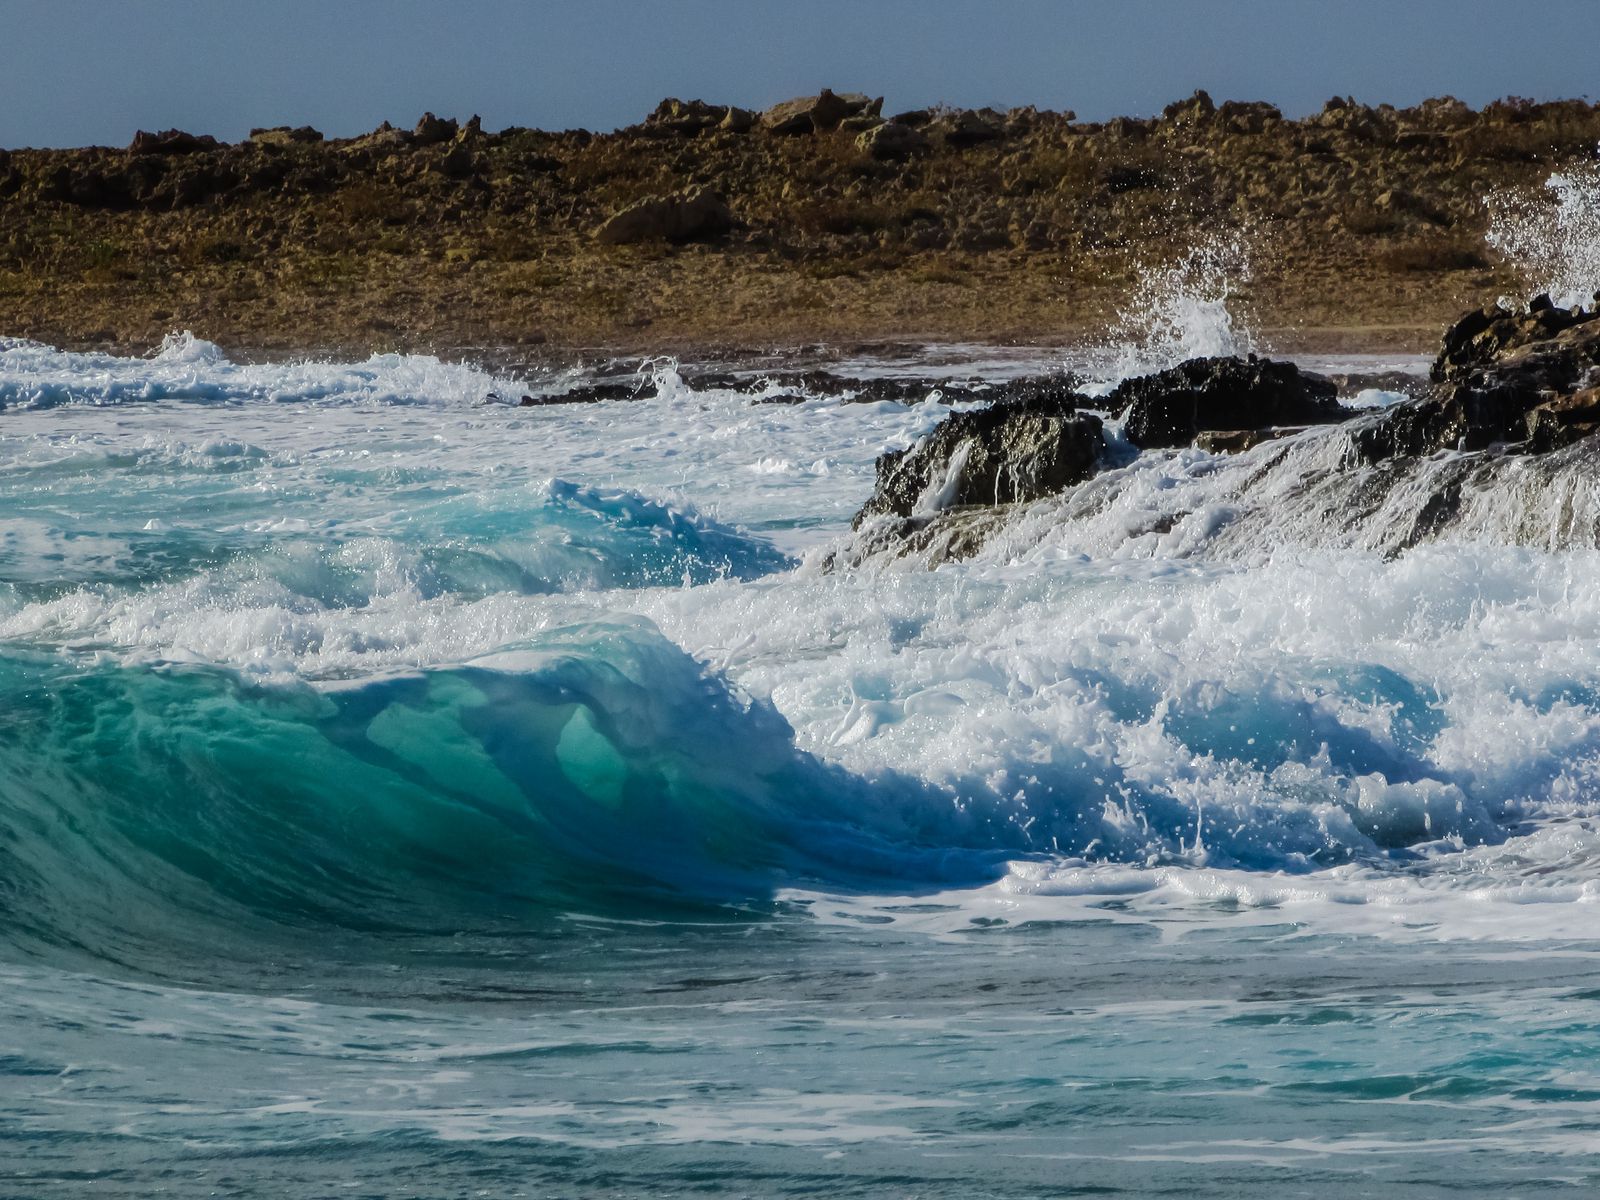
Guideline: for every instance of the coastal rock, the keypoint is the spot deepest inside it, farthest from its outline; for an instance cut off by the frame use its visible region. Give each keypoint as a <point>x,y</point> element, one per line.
<point>1196,110</point>
<point>1484,335</point>
<point>690,118</point>
<point>1013,451</point>
<point>817,114</point>
<point>935,501</point>
<point>893,142</point>
<point>685,217</point>
<point>385,137</point>
<point>171,141</point>
<point>967,128</point>
<point>1519,380</point>
<point>283,135</point>
<point>1248,116</point>
<point>1171,407</point>
<point>432,130</point>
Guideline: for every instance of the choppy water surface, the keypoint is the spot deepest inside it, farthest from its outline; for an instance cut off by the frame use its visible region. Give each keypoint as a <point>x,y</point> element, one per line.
<point>402,795</point>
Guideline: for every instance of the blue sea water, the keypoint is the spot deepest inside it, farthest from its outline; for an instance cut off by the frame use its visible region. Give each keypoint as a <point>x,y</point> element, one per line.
<point>407,795</point>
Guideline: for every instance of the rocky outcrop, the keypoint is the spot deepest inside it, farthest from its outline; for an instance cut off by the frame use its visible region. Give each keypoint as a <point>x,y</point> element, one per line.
<point>1011,452</point>
<point>1526,381</point>
<point>687,217</point>
<point>1172,407</point>
<point>817,114</point>
<point>965,127</point>
<point>893,141</point>
<point>1490,336</point>
<point>283,135</point>
<point>1038,440</point>
<point>1507,387</point>
<point>856,229</point>
<point>171,141</point>
<point>432,130</point>
<point>691,118</point>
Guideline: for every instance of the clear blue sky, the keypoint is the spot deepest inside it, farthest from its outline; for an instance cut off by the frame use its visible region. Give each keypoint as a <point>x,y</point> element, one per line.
<point>75,72</point>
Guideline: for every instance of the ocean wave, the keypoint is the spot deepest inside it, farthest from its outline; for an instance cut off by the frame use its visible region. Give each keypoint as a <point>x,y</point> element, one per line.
<point>186,368</point>
<point>128,586</point>
<point>597,767</point>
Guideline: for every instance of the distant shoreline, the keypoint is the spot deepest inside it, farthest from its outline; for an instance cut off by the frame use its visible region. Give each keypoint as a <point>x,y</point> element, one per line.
<point>709,230</point>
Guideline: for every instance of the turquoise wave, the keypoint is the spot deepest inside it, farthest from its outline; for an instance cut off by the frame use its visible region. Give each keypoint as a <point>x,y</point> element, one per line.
<point>552,537</point>
<point>159,811</point>
<point>146,809</point>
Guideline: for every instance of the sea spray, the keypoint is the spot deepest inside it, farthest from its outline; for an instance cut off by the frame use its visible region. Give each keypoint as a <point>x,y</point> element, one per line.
<point>1552,236</point>
<point>1179,309</point>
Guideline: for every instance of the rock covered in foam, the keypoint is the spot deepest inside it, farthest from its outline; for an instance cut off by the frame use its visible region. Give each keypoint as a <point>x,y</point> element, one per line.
<point>1036,441</point>
<point>1502,441</point>
<point>1028,446</point>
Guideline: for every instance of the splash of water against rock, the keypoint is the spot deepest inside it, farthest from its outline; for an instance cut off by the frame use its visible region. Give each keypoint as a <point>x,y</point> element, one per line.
<point>1177,311</point>
<point>1553,235</point>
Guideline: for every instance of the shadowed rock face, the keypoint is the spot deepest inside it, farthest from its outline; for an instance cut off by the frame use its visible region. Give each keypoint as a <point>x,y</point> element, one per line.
<point>1221,394</point>
<point>1527,381</point>
<point>1014,451</point>
<point>1008,453</point>
<point>1489,336</point>
<point>939,498</point>
<point>1507,388</point>
<point>1037,441</point>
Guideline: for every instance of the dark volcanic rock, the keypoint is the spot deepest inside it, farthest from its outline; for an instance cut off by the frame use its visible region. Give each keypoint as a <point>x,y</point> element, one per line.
<point>1487,335</point>
<point>1525,380</point>
<point>795,387</point>
<point>1007,453</point>
<point>1171,407</point>
<point>171,141</point>
<point>589,393</point>
<point>1514,405</point>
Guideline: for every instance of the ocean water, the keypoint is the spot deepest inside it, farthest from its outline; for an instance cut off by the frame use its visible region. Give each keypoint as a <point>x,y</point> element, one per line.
<point>407,795</point>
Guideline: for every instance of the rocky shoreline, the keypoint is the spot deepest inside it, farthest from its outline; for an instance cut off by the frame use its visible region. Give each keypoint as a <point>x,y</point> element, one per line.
<point>1509,387</point>
<point>830,218</point>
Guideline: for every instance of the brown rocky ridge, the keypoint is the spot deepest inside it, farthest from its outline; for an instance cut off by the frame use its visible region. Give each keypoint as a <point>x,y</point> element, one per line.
<point>709,225</point>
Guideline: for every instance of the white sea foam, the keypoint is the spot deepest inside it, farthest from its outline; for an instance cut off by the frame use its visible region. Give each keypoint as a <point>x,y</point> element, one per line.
<point>1552,236</point>
<point>33,375</point>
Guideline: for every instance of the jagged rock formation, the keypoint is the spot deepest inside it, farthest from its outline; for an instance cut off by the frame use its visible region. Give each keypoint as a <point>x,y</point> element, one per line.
<point>1203,395</point>
<point>1522,380</point>
<point>1009,453</point>
<point>1514,395</point>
